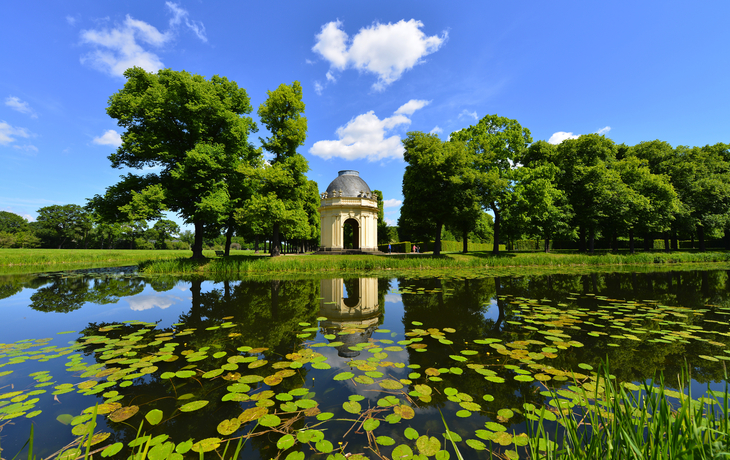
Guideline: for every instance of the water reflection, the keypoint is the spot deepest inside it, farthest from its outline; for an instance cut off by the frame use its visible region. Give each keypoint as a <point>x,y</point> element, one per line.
<point>644,323</point>
<point>350,304</point>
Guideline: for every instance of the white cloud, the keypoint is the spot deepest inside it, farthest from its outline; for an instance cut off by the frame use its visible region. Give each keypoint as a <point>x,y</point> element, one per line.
<point>179,15</point>
<point>411,106</point>
<point>31,149</point>
<point>71,20</point>
<point>8,133</point>
<point>110,137</point>
<point>466,113</point>
<point>318,88</point>
<point>436,130</point>
<point>364,137</point>
<point>386,50</point>
<point>20,106</point>
<point>391,222</point>
<point>560,136</point>
<point>120,47</point>
<point>392,203</point>
<point>394,298</point>
<point>145,302</point>
<point>604,131</point>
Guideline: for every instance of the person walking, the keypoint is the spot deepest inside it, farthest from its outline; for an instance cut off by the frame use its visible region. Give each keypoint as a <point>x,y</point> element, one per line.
<point>389,248</point>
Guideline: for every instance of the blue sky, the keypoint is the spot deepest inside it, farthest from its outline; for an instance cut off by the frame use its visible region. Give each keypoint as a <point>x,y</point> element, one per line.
<point>371,71</point>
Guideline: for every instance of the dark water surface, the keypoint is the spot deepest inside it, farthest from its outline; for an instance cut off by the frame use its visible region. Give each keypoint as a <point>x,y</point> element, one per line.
<point>306,362</point>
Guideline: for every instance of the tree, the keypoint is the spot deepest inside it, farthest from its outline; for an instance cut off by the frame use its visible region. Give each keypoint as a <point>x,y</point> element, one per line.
<point>431,181</point>
<point>282,184</point>
<point>383,237</point>
<point>164,229</point>
<point>702,180</point>
<point>543,207</point>
<point>195,131</point>
<point>584,176</point>
<point>58,223</point>
<point>497,144</point>
<point>12,223</point>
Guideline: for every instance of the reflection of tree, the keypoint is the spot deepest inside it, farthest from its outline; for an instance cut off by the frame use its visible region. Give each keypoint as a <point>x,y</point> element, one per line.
<point>12,284</point>
<point>67,294</point>
<point>637,360</point>
<point>258,323</point>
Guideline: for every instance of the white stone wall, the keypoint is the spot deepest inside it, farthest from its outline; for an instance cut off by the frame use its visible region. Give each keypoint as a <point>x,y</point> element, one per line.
<point>334,211</point>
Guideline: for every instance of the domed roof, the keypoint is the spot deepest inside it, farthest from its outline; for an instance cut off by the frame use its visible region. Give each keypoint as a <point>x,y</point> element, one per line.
<point>350,183</point>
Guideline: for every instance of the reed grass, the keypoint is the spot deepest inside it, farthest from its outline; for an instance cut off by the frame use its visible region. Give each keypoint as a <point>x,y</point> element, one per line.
<point>244,265</point>
<point>613,423</point>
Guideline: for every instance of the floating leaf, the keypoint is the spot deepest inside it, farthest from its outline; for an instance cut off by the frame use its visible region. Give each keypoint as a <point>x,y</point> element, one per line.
<point>370,424</point>
<point>270,420</point>
<point>285,442</point>
<point>123,414</point>
<point>352,407</point>
<point>206,445</point>
<point>65,418</point>
<point>476,444</point>
<point>428,445</point>
<point>385,440</point>
<point>410,433</point>
<point>273,380</point>
<point>227,427</point>
<point>253,413</point>
<point>193,406</point>
<point>390,384</point>
<point>154,416</point>
<point>343,376</point>
<point>112,449</point>
<point>402,451</point>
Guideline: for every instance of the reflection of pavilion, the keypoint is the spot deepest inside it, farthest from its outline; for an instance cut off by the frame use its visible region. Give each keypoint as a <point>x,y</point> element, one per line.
<point>350,304</point>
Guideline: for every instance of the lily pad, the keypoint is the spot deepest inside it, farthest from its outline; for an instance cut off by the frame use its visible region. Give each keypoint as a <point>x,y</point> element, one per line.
<point>227,427</point>
<point>123,414</point>
<point>193,406</point>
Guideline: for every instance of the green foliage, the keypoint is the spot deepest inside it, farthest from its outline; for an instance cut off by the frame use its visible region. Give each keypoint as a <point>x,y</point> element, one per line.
<point>58,225</point>
<point>194,130</point>
<point>12,223</point>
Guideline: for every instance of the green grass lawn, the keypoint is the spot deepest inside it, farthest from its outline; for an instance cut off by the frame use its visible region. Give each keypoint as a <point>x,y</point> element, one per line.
<point>245,262</point>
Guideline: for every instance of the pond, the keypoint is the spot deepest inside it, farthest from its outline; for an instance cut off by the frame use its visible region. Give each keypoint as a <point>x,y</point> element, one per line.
<point>306,368</point>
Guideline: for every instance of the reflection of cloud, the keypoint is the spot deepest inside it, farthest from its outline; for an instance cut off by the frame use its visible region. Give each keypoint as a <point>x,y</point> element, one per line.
<point>145,302</point>
<point>395,298</point>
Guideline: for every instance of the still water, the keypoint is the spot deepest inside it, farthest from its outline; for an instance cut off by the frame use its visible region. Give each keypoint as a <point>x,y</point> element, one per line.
<point>306,368</point>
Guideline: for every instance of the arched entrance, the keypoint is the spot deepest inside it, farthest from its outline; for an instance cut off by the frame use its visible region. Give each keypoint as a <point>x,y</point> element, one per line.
<point>351,234</point>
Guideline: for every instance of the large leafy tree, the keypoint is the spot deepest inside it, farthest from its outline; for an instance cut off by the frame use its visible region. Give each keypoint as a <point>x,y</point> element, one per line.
<point>195,131</point>
<point>12,223</point>
<point>496,145</point>
<point>702,180</point>
<point>59,224</point>
<point>431,182</point>
<point>282,185</point>
<point>383,237</point>
<point>538,201</point>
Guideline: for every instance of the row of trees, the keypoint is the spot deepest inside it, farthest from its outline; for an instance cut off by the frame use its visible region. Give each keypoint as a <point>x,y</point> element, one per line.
<point>72,226</point>
<point>189,137</point>
<point>581,189</point>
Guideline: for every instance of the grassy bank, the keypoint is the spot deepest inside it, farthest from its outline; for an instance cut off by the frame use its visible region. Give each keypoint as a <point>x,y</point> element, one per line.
<point>241,265</point>
<point>41,260</point>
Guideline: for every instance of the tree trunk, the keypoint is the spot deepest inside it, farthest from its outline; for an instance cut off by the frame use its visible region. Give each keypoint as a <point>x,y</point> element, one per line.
<point>437,243</point>
<point>631,241</point>
<point>275,243</point>
<point>582,240</point>
<point>465,241</point>
<point>547,243</point>
<point>675,240</point>
<point>229,235</point>
<point>666,241</point>
<point>198,242</point>
<point>592,242</point>
<point>614,241</point>
<point>497,221</point>
<point>701,237</point>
